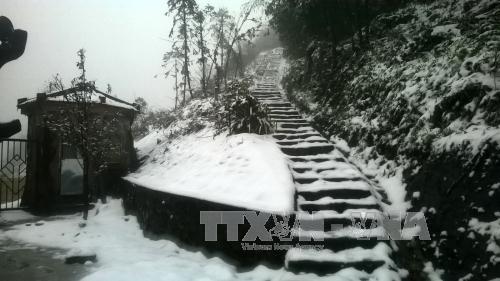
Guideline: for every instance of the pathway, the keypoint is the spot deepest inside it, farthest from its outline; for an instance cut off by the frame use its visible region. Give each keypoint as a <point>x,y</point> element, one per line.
<point>328,188</point>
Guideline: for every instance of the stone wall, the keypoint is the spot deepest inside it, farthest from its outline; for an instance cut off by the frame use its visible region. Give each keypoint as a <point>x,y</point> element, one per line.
<point>161,213</point>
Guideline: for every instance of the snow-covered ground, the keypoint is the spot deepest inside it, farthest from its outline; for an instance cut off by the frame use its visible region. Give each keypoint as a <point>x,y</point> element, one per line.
<point>244,170</point>
<point>15,216</point>
<point>123,253</point>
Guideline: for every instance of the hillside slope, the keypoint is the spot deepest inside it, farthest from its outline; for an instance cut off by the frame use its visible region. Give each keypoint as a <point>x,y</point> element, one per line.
<point>422,101</point>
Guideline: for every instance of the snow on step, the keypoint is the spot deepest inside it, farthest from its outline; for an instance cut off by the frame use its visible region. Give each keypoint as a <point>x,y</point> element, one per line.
<point>379,253</point>
<point>330,200</point>
<point>294,143</point>
<point>307,144</point>
<point>321,185</point>
<point>345,232</point>
<point>329,164</point>
<point>335,154</point>
<point>296,136</point>
<point>351,213</point>
<point>329,174</point>
<point>281,110</point>
<point>336,204</point>
<point>290,120</point>
<point>328,189</point>
<point>308,138</point>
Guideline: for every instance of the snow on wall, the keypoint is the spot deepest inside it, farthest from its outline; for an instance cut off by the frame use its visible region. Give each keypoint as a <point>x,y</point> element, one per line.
<point>244,170</point>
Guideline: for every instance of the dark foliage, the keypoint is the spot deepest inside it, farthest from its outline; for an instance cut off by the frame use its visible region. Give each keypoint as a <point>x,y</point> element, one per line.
<point>301,22</point>
<point>241,112</point>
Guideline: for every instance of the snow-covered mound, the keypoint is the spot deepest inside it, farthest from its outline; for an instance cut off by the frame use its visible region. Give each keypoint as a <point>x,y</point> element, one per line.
<point>245,170</point>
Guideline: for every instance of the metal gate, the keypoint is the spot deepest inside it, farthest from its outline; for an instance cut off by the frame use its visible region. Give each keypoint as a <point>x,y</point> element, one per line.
<point>13,163</point>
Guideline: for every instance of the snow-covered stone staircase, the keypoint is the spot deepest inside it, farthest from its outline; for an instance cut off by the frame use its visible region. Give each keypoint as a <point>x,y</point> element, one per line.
<point>329,190</point>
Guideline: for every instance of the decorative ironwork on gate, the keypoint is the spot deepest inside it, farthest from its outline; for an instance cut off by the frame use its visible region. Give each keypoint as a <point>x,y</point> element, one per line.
<point>13,163</point>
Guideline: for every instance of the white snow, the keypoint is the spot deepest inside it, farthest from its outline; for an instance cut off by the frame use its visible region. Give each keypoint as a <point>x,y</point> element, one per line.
<point>329,200</point>
<point>446,29</point>
<point>433,274</point>
<point>124,254</point>
<point>387,174</point>
<point>11,204</point>
<point>491,230</point>
<point>340,144</point>
<point>324,185</point>
<point>15,216</point>
<point>380,252</point>
<point>474,137</point>
<point>244,170</point>
<point>93,99</point>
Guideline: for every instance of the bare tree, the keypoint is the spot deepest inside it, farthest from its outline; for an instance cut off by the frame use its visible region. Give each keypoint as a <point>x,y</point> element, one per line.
<point>183,12</point>
<point>221,25</point>
<point>171,61</point>
<point>243,29</point>
<point>201,36</point>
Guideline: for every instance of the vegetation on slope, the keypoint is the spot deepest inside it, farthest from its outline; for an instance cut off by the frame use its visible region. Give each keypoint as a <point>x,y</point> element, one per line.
<point>235,112</point>
<point>416,86</point>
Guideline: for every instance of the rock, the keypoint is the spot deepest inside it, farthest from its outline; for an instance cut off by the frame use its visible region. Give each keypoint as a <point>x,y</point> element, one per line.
<point>83,259</point>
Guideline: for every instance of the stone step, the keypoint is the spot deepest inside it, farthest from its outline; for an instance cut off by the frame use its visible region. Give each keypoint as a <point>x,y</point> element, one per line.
<point>267,99</point>
<point>344,193</point>
<point>273,109</point>
<point>320,148</point>
<point>311,140</point>
<point>323,262</point>
<point>340,243</point>
<point>295,136</point>
<point>323,185</point>
<point>266,93</point>
<point>294,143</point>
<point>296,126</point>
<point>318,159</point>
<point>291,121</point>
<point>284,111</point>
<point>341,221</point>
<point>339,207</point>
<point>321,168</point>
<point>337,244</point>
<point>293,131</point>
<point>285,116</point>
<point>323,268</point>
<point>341,171</point>
<point>281,104</point>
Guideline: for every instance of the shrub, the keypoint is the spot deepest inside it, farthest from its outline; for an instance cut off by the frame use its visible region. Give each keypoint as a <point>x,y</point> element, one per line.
<point>240,112</point>
<point>151,120</point>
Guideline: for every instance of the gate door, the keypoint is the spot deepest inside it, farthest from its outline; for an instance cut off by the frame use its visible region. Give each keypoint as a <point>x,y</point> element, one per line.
<point>13,153</point>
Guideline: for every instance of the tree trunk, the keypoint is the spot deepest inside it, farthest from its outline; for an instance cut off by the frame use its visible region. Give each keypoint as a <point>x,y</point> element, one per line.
<point>86,189</point>
<point>203,63</point>
<point>187,77</point>
<point>221,37</point>
<point>176,85</point>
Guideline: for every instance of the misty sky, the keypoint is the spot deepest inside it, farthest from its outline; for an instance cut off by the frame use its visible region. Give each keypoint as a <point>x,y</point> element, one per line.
<point>124,40</point>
